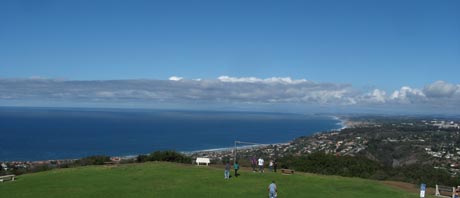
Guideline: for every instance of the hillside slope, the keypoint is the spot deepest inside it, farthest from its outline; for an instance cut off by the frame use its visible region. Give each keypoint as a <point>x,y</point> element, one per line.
<point>161,179</point>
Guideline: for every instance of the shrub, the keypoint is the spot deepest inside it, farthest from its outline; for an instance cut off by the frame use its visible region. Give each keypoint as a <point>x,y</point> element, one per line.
<point>93,160</point>
<point>168,156</point>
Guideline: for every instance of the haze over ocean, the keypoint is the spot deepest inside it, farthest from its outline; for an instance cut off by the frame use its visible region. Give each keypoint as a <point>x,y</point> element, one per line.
<point>57,133</point>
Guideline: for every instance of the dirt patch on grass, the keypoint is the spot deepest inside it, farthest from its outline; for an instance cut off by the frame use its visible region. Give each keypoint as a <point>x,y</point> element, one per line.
<point>408,187</point>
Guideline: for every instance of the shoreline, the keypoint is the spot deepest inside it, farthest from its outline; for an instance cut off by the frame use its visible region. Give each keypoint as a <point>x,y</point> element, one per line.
<point>342,123</point>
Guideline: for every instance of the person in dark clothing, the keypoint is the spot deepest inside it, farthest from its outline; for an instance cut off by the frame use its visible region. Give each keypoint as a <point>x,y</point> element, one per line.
<point>236,166</point>
<point>275,165</point>
<point>253,163</point>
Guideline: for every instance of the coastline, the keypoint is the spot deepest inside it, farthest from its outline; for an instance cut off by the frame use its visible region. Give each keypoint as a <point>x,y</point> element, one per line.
<point>341,123</point>
<point>225,149</point>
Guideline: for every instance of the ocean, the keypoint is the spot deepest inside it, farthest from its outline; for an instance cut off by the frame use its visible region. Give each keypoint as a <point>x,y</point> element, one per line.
<point>30,134</point>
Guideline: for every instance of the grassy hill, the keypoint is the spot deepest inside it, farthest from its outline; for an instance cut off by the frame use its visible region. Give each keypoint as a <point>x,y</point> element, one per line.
<point>160,179</point>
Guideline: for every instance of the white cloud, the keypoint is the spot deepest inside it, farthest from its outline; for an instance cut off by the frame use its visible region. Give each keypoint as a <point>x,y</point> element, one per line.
<point>407,95</point>
<point>377,96</point>
<point>441,89</point>
<point>175,78</point>
<point>284,80</point>
<point>226,90</point>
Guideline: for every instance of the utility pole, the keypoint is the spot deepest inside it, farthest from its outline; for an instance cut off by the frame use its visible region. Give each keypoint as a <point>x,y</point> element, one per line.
<point>276,152</point>
<point>235,148</point>
<point>234,153</point>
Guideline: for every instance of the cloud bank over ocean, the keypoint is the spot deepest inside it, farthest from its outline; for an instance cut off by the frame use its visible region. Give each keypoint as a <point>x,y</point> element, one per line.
<point>439,95</point>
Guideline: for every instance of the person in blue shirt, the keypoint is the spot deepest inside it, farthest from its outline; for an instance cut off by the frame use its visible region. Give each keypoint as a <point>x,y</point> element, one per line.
<point>236,166</point>
<point>272,190</point>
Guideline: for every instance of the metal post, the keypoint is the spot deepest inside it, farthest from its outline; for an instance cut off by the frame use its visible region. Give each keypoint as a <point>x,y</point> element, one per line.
<point>234,153</point>
<point>276,152</point>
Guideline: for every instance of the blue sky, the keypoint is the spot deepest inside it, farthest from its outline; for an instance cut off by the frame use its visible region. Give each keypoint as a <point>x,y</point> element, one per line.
<point>369,45</point>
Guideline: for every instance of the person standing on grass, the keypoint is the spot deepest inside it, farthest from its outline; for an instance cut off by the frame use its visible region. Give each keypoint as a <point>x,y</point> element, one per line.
<point>272,190</point>
<point>270,165</point>
<point>227,171</point>
<point>236,166</point>
<point>253,163</point>
<point>275,165</point>
<point>261,165</point>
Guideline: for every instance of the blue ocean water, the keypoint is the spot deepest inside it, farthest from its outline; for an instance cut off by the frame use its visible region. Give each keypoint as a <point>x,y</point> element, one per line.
<point>50,133</point>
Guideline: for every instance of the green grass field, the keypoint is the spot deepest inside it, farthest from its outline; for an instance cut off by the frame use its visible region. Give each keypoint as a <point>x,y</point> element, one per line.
<point>160,179</point>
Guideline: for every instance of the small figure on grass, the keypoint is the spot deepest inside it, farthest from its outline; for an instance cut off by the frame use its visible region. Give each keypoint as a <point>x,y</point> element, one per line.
<point>270,165</point>
<point>227,171</point>
<point>261,165</point>
<point>253,163</point>
<point>272,190</point>
<point>236,166</point>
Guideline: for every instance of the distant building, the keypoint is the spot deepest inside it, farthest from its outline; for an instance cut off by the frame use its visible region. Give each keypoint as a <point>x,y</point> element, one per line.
<point>445,125</point>
<point>4,166</point>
